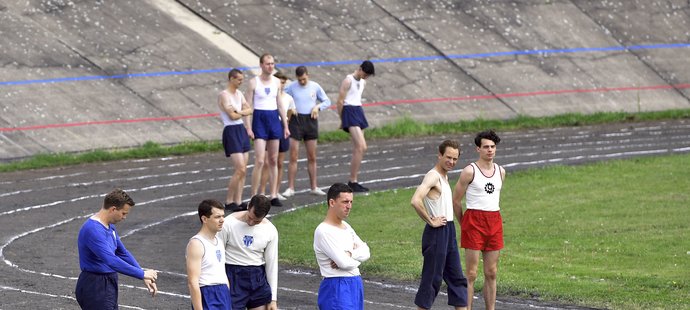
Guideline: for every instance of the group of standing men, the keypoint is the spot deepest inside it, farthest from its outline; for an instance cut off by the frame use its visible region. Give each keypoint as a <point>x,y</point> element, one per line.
<point>278,117</point>
<point>481,224</point>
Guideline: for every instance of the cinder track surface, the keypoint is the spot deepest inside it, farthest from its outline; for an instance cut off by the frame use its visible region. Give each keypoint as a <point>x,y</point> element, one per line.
<point>41,210</point>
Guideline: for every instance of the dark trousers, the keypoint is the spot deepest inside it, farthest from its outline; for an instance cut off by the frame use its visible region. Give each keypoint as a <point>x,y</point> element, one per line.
<point>97,291</point>
<point>441,262</point>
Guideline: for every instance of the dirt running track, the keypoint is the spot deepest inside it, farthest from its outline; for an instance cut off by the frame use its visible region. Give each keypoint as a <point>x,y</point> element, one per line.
<point>41,211</point>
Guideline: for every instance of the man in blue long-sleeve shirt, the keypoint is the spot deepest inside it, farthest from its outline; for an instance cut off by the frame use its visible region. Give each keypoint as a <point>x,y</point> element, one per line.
<point>304,126</point>
<point>102,256</point>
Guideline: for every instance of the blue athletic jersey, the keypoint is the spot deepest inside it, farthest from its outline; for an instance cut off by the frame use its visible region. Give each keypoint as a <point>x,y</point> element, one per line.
<point>101,251</point>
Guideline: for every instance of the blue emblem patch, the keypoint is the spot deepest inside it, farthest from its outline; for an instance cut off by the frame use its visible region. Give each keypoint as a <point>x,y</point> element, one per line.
<point>248,240</point>
<point>267,90</point>
<point>218,255</point>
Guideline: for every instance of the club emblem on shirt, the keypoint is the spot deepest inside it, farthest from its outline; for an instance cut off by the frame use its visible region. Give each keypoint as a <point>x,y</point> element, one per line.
<point>489,188</point>
<point>267,90</point>
<point>218,255</point>
<point>313,95</point>
<point>357,85</point>
<point>248,240</point>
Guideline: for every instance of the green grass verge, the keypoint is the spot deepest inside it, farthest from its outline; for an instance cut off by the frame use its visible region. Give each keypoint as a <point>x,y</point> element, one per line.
<point>402,128</point>
<point>612,234</point>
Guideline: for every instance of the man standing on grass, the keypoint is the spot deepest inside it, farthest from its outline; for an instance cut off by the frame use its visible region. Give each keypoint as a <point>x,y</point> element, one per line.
<point>481,225</point>
<point>433,201</point>
<point>339,252</point>
<point>352,118</point>
<point>102,256</point>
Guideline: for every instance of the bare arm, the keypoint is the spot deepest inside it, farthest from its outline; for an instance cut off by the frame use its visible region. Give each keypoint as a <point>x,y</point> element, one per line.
<point>226,106</point>
<point>249,98</point>
<point>281,112</point>
<point>466,177</point>
<point>430,180</point>
<point>344,86</point>
<point>195,252</point>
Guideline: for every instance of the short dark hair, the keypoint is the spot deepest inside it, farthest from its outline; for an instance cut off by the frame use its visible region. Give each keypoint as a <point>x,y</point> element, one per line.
<point>368,67</point>
<point>261,205</point>
<point>300,71</point>
<point>487,134</point>
<point>446,144</point>
<point>335,190</point>
<point>233,73</point>
<point>261,59</point>
<point>206,207</point>
<point>280,75</point>
<point>117,198</point>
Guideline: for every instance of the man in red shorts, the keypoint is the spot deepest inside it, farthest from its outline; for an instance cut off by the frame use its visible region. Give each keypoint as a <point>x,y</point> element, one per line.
<point>481,224</point>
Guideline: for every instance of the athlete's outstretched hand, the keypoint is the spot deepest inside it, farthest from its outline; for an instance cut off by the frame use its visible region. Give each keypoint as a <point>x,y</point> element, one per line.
<point>151,286</point>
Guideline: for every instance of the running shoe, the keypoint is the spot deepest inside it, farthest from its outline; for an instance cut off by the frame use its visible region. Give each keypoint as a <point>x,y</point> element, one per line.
<point>232,207</point>
<point>317,192</point>
<point>357,188</point>
<point>280,197</point>
<point>275,202</point>
<point>289,192</point>
<point>243,207</point>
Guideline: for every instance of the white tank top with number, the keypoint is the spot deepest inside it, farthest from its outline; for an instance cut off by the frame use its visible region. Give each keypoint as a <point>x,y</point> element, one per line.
<point>484,192</point>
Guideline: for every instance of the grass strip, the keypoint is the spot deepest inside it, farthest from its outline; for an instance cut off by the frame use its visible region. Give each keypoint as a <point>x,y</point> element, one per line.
<point>405,127</point>
<point>611,234</point>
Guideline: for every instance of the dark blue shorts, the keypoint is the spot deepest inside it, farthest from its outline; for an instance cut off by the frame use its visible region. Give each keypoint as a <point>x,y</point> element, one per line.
<point>216,297</point>
<point>341,293</point>
<point>303,127</point>
<point>284,145</point>
<point>235,139</point>
<point>97,290</point>
<point>248,286</point>
<point>266,125</point>
<point>353,116</point>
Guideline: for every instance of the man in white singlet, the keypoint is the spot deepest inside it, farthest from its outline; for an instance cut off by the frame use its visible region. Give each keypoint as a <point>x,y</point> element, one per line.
<point>205,256</point>
<point>481,225</point>
<point>352,119</point>
<point>251,249</point>
<point>433,201</point>
<point>268,125</point>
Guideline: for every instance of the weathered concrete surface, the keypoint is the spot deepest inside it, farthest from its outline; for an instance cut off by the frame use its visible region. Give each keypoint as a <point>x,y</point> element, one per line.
<point>50,39</point>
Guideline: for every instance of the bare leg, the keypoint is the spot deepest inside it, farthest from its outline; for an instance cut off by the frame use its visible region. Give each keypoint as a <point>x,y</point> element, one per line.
<point>471,265</point>
<point>359,146</point>
<point>310,145</point>
<point>490,271</point>
<point>279,164</point>
<point>292,166</point>
<point>236,182</point>
<point>272,149</point>
<point>264,177</point>
<point>259,161</point>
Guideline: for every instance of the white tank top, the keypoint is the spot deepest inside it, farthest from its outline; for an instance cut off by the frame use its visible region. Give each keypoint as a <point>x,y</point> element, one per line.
<point>443,205</point>
<point>484,192</point>
<point>354,94</point>
<point>236,102</point>
<point>265,94</point>
<point>212,263</point>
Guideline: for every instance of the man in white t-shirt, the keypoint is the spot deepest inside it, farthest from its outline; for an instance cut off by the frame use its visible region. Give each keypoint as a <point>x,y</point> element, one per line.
<point>339,252</point>
<point>251,251</point>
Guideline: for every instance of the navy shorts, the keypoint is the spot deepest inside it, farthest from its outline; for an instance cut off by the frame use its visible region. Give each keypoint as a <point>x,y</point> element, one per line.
<point>341,293</point>
<point>303,127</point>
<point>216,297</point>
<point>266,125</point>
<point>97,290</point>
<point>284,145</point>
<point>235,139</point>
<point>353,116</point>
<point>248,286</point>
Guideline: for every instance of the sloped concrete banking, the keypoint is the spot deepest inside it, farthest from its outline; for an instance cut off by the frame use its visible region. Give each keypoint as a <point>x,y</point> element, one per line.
<point>436,61</point>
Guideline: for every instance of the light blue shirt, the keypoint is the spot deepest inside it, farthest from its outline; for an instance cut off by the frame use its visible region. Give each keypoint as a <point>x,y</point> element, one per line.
<point>306,97</point>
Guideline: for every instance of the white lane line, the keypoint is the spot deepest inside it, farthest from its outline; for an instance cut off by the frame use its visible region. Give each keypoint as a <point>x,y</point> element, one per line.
<point>7,288</point>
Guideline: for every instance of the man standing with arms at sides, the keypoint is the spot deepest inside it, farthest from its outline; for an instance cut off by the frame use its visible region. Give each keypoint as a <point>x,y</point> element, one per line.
<point>433,201</point>
<point>304,125</point>
<point>481,225</point>
<point>205,255</point>
<point>268,125</point>
<point>352,118</point>
<point>251,253</point>
<point>233,107</point>
<point>339,252</point>
<point>102,255</point>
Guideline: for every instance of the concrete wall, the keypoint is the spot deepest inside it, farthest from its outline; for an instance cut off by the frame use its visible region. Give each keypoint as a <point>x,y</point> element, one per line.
<point>62,89</point>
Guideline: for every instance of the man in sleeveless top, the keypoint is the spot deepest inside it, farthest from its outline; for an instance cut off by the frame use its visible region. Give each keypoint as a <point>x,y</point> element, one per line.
<point>205,260</point>
<point>339,252</point>
<point>352,118</point>
<point>268,125</point>
<point>433,202</point>
<point>233,107</point>
<point>481,225</point>
<point>102,256</point>
<point>251,249</point>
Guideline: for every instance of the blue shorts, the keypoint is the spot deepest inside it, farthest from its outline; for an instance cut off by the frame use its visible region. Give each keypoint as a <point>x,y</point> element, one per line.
<point>97,290</point>
<point>266,125</point>
<point>284,145</point>
<point>216,297</point>
<point>248,286</point>
<point>235,139</point>
<point>353,116</point>
<point>341,293</point>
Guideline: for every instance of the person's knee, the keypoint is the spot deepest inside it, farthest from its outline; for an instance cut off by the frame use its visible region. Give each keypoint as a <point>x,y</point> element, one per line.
<point>490,274</point>
<point>471,275</point>
<point>241,171</point>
